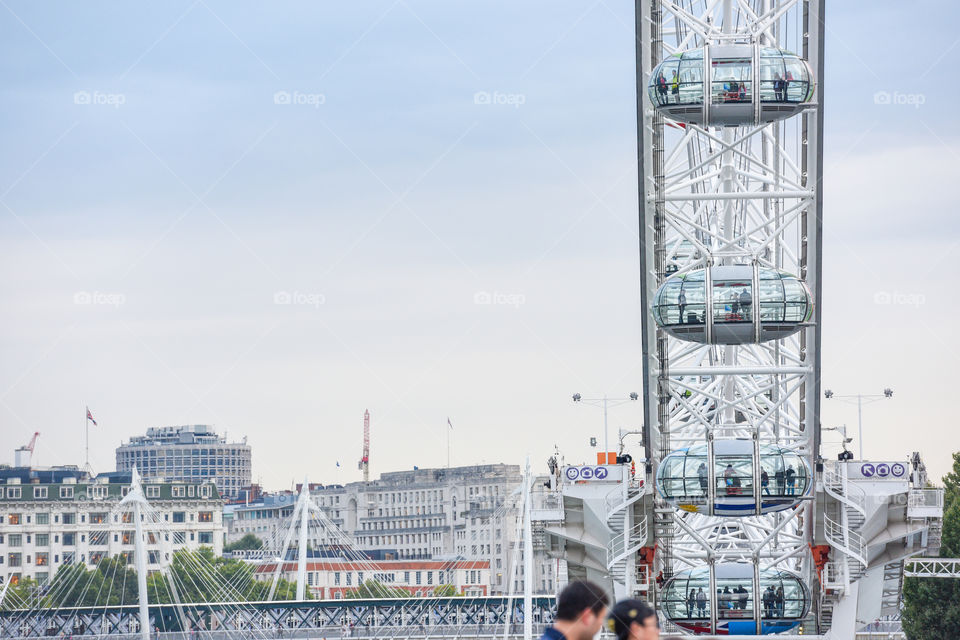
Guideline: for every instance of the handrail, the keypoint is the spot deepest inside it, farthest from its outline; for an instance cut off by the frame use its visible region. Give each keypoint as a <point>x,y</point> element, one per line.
<point>847,541</point>
<point>925,498</point>
<point>832,575</point>
<point>615,502</point>
<point>834,485</point>
<point>620,545</point>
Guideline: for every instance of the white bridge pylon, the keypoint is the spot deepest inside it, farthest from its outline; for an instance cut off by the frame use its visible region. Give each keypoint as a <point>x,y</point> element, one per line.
<point>136,501</point>
<point>299,521</point>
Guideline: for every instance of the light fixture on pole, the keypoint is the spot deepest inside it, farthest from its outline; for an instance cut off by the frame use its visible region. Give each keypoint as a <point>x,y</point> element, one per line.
<point>859,398</point>
<point>606,403</point>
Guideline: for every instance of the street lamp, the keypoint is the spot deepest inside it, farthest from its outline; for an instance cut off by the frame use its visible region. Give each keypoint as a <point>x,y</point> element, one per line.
<point>860,397</point>
<point>606,403</point>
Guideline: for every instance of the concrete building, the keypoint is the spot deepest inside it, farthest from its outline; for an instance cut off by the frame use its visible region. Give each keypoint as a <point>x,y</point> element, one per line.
<point>421,514</point>
<point>52,517</point>
<point>334,578</point>
<point>192,453</point>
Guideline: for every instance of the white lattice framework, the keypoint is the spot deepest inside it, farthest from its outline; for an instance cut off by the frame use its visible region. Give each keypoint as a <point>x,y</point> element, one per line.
<point>724,196</point>
<point>932,568</point>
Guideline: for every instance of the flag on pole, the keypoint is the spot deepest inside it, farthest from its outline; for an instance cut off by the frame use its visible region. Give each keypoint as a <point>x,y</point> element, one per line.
<point>90,417</point>
<point>449,423</point>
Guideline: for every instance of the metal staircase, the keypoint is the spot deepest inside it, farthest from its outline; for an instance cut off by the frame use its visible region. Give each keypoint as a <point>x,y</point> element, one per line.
<point>623,544</point>
<point>892,588</point>
<point>832,580</point>
<point>843,520</point>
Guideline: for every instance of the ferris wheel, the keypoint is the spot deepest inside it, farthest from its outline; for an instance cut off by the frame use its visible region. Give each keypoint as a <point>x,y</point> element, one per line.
<point>730,166</point>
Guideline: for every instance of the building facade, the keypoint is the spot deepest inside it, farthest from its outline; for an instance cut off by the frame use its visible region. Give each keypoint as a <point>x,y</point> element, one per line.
<point>421,514</point>
<point>192,453</point>
<point>49,518</point>
<point>333,579</point>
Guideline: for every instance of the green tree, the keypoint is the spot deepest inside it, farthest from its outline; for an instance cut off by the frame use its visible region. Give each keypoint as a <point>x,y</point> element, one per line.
<point>26,593</point>
<point>445,591</point>
<point>246,543</point>
<point>199,576</point>
<point>375,589</point>
<point>930,610</point>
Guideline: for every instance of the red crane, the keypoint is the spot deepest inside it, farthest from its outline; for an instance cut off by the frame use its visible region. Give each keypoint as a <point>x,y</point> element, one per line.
<point>22,459</point>
<point>365,460</point>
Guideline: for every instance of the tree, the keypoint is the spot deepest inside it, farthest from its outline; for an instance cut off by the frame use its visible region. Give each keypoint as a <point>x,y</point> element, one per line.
<point>376,589</point>
<point>951,481</point>
<point>199,576</point>
<point>930,610</point>
<point>24,593</point>
<point>445,591</point>
<point>246,543</point>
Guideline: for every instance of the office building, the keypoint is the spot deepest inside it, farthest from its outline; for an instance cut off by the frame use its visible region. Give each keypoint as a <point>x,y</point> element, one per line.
<point>192,453</point>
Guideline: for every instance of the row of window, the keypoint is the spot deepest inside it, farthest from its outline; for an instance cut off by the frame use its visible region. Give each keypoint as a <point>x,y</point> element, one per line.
<point>99,492</point>
<point>98,538</point>
<point>179,452</point>
<point>100,517</point>
<point>401,524</point>
<point>442,577</point>
<point>414,538</point>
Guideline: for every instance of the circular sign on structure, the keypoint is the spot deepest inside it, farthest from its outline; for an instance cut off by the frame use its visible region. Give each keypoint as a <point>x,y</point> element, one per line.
<point>883,470</point>
<point>586,473</point>
<point>600,473</point>
<point>898,469</point>
<point>867,470</point>
<point>572,473</point>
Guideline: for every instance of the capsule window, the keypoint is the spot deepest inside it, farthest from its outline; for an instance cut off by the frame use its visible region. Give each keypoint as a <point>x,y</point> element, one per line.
<point>734,475</point>
<point>733,301</point>
<point>780,596</point>
<point>731,80</point>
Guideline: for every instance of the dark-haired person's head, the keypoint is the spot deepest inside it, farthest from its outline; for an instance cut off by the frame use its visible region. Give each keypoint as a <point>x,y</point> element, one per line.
<point>634,620</point>
<point>581,608</point>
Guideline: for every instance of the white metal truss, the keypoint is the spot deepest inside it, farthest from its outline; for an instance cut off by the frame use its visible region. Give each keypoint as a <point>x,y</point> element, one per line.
<point>932,568</point>
<point>722,196</point>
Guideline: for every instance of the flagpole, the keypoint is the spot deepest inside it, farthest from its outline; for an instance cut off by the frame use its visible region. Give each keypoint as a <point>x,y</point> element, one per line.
<point>86,428</point>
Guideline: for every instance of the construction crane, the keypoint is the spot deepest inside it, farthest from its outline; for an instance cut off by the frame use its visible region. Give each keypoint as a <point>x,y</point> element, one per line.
<point>364,464</point>
<point>24,454</point>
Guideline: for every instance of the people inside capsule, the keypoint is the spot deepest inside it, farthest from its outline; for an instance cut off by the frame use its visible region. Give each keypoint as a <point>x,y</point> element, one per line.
<point>683,478</point>
<point>781,304</point>
<point>783,599</point>
<point>784,77</point>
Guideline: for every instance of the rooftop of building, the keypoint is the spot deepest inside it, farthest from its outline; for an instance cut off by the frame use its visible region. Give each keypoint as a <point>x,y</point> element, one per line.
<point>46,475</point>
<point>389,481</point>
<point>190,434</point>
<point>115,483</point>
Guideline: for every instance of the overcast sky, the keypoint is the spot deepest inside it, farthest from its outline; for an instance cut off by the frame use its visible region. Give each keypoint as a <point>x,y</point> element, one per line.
<point>271,216</point>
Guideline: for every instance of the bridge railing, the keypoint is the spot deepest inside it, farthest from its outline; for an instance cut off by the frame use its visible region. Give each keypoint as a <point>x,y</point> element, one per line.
<point>448,631</point>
